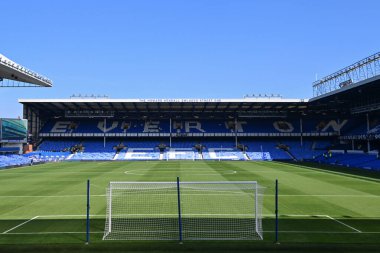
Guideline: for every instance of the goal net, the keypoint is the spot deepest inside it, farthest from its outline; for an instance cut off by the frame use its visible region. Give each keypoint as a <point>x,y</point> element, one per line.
<point>184,211</point>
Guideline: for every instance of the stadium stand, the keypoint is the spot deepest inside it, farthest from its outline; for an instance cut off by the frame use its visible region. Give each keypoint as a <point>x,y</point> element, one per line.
<point>57,145</point>
<point>287,127</point>
<point>352,159</point>
<point>9,150</point>
<point>271,139</point>
<point>13,160</point>
<point>212,149</point>
<point>47,156</point>
<point>92,156</point>
<point>249,129</point>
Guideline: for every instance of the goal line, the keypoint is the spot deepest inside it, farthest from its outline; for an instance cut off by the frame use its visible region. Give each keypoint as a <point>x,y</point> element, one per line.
<point>13,230</point>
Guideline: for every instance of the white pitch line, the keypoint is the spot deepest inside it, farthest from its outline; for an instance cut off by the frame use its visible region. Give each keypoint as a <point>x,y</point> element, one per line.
<point>47,233</point>
<point>371,180</point>
<point>344,224</point>
<point>295,232</point>
<point>175,214</point>
<point>49,196</point>
<point>323,232</point>
<point>103,195</point>
<point>193,214</point>
<point>150,215</point>
<point>327,195</point>
<point>294,215</point>
<point>189,214</point>
<point>19,225</point>
<point>70,215</point>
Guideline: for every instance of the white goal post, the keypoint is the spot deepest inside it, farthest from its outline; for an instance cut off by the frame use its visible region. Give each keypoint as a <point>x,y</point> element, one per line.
<point>184,211</point>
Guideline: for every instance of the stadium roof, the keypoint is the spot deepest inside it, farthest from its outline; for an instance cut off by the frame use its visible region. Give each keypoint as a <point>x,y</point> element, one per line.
<point>373,82</point>
<point>12,71</point>
<point>352,97</point>
<point>160,107</point>
<point>360,97</point>
<point>166,100</point>
<point>362,70</point>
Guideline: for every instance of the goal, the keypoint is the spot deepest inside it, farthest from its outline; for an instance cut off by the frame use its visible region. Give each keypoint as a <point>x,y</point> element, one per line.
<point>184,211</point>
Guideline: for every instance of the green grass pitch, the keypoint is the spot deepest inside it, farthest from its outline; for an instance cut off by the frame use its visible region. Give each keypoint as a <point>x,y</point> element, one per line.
<point>45,205</point>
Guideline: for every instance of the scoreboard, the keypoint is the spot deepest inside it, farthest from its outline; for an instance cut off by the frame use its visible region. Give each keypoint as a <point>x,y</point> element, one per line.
<point>13,130</point>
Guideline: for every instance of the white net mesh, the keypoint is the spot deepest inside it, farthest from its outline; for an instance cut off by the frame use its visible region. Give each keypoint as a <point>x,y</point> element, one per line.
<point>209,211</point>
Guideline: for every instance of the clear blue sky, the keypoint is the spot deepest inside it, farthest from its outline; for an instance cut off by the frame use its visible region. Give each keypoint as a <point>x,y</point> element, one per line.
<point>183,48</point>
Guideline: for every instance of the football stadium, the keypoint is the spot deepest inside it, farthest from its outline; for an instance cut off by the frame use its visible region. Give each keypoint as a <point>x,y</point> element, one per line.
<point>261,173</point>
<point>118,171</point>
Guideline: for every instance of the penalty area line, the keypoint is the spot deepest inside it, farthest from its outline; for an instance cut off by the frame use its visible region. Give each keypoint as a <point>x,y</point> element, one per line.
<point>19,225</point>
<point>317,215</point>
<point>52,233</point>
<point>342,223</point>
<point>321,232</point>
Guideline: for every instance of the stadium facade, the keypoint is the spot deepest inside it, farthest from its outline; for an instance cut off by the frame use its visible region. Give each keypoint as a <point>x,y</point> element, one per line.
<point>343,122</point>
